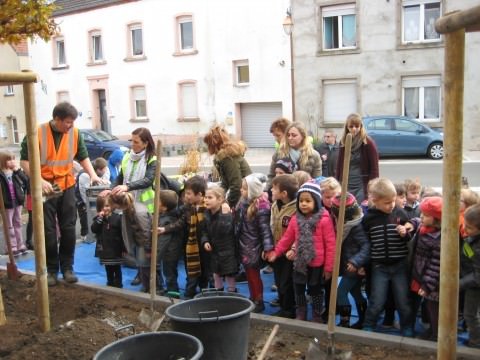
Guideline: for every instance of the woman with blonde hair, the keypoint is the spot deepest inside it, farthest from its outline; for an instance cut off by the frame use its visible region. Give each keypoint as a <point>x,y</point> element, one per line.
<point>229,161</point>
<point>363,160</point>
<point>297,147</point>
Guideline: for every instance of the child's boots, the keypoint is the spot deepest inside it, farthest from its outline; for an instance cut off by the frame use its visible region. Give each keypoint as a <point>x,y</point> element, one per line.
<point>301,311</point>
<point>345,311</point>
<point>361,309</point>
<point>317,308</point>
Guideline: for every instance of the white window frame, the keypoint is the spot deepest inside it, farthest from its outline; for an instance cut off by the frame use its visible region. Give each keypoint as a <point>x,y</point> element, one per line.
<point>9,90</point>
<point>187,111</point>
<point>136,93</point>
<point>422,82</point>
<point>334,113</point>
<point>237,65</point>
<point>94,35</point>
<point>131,29</point>
<point>59,60</point>
<point>15,132</point>
<point>421,21</point>
<point>338,11</point>
<point>183,20</point>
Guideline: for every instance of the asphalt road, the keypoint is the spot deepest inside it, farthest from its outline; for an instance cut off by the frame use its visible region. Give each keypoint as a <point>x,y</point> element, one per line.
<point>429,172</point>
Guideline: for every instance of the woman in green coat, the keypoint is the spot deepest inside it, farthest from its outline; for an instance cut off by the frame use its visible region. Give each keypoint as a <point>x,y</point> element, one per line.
<point>229,161</point>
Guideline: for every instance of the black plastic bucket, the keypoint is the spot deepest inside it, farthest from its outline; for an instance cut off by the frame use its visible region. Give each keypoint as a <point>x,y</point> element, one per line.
<point>215,292</point>
<point>165,345</point>
<point>220,322</point>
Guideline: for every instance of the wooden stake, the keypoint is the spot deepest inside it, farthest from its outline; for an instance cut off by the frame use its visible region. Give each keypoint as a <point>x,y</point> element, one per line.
<point>3,318</point>
<point>451,181</point>
<point>153,259</point>
<point>37,206</point>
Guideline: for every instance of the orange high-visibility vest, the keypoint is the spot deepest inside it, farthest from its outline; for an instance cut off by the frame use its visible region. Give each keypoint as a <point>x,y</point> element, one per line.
<point>57,165</point>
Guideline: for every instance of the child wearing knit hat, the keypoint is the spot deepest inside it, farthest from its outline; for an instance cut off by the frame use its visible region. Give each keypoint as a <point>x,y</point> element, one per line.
<point>310,241</point>
<point>425,282</point>
<point>284,166</point>
<point>252,229</point>
<point>354,256</point>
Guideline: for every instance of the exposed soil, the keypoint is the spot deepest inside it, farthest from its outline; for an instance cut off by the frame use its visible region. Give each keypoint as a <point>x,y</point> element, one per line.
<point>83,321</point>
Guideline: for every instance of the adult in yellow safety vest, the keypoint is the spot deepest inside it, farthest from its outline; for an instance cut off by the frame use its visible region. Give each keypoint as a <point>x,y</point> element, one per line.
<point>137,170</point>
<point>60,143</point>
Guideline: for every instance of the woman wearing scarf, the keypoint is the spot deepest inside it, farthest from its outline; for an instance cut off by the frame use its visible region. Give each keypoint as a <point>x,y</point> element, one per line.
<point>137,171</point>
<point>363,160</point>
<point>137,174</point>
<point>298,149</point>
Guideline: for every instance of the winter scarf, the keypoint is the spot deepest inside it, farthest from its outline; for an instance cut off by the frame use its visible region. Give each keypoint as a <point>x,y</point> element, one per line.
<point>135,169</point>
<point>305,247</point>
<point>349,225</point>
<point>192,248</point>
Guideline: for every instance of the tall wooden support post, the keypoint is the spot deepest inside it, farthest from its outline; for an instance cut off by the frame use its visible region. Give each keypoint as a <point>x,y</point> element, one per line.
<point>452,173</point>
<point>37,203</point>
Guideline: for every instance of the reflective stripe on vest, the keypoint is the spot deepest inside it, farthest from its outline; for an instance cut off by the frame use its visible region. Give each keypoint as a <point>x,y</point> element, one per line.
<point>467,250</point>
<point>147,196</point>
<point>57,164</point>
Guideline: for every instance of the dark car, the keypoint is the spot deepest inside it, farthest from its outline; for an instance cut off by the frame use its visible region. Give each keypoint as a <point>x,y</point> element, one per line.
<point>400,135</point>
<point>101,144</point>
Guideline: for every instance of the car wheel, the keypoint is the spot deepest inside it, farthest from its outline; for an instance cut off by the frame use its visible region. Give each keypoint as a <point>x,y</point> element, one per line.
<point>106,154</point>
<point>435,151</point>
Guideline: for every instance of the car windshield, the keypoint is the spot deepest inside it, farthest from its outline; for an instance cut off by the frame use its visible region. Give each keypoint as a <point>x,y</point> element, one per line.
<point>104,136</point>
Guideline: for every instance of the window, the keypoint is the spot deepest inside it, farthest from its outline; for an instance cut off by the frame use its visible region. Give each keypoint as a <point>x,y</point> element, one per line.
<point>15,132</point>
<point>242,72</point>
<point>185,42</point>
<point>96,49</point>
<point>380,124</point>
<point>188,100</point>
<point>340,99</point>
<point>418,21</point>
<point>9,90</point>
<point>63,96</point>
<point>421,97</point>
<point>139,102</point>
<point>339,27</point>
<point>135,40</point>
<point>60,56</point>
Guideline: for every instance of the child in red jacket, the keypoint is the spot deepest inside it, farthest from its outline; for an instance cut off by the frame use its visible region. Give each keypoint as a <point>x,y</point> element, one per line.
<point>312,235</point>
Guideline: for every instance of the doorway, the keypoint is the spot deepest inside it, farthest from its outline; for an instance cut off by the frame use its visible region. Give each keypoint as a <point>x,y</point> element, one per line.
<point>102,107</point>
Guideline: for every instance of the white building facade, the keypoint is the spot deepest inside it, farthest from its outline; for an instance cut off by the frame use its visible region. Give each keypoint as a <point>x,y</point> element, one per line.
<point>378,57</point>
<point>175,67</point>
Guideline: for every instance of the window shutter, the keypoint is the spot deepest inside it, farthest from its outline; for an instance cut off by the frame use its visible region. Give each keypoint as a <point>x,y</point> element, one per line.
<point>340,99</point>
<point>189,100</point>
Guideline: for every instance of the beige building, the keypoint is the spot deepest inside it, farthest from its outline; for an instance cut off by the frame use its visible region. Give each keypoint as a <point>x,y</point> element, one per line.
<point>12,114</point>
<point>378,57</point>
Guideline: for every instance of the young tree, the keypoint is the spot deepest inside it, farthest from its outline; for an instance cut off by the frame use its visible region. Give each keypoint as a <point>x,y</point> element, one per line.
<point>20,19</point>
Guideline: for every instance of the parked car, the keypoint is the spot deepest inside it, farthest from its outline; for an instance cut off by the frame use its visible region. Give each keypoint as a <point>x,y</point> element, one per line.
<point>400,135</point>
<point>101,144</point>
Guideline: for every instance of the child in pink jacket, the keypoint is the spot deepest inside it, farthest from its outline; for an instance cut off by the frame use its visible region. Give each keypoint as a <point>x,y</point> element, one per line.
<point>310,242</point>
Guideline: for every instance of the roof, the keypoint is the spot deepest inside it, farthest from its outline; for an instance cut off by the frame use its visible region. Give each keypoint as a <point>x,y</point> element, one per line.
<point>67,7</point>
<point>21,49</point>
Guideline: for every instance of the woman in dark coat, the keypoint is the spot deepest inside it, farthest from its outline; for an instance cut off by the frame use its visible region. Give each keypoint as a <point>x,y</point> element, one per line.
<point>229,161</point>
<point>363,161</point>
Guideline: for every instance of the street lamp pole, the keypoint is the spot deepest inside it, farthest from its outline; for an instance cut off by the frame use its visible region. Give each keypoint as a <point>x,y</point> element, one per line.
<point>288,28</point>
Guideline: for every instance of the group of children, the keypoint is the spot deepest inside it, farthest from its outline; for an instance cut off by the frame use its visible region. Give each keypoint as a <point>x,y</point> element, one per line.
<point>390,246</point>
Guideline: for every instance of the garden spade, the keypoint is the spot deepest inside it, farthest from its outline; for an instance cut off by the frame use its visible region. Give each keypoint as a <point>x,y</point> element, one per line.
<point>314,351</point>
<point>12,271</point>
<point>149,317</point>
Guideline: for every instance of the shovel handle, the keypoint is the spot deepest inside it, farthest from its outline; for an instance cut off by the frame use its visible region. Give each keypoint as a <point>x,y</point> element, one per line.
<point>268,342</point>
